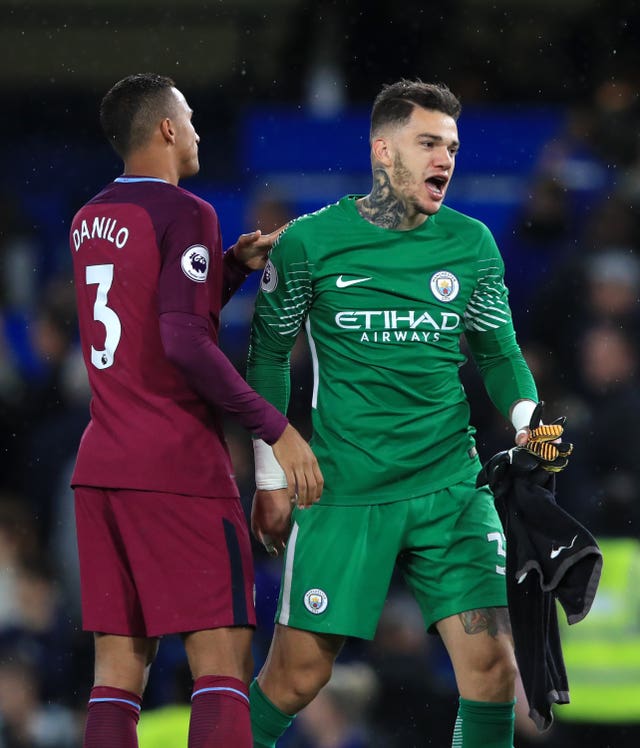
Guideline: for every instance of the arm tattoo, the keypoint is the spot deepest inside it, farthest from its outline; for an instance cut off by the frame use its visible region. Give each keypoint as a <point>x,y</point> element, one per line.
<point>382,206</point>
<point>493,620</point>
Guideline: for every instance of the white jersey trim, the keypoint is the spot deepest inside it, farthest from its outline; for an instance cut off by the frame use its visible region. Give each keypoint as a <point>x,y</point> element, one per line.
<point>314,361</point>
<point>287,577</point>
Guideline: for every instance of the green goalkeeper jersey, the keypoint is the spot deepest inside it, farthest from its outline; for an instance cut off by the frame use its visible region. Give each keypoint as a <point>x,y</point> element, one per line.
<point>384,312</point>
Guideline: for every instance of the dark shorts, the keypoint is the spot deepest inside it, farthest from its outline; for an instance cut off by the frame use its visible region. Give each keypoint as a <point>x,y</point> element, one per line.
<point>159,563</point>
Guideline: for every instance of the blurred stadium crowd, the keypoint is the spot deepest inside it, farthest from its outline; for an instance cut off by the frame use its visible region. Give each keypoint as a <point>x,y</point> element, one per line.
<point>565,214</point>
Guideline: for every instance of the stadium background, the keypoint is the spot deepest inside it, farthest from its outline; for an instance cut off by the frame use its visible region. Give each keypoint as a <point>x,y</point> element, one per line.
<point>281,91</point>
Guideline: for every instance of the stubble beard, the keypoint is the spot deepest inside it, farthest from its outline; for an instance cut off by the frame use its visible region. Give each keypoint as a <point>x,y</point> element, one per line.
<point>404,181</point>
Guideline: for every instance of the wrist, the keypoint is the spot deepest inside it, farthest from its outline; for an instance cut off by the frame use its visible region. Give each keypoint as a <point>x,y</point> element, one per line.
<point>521,415</point>
<point>232,258</point>
<point>269,474</point>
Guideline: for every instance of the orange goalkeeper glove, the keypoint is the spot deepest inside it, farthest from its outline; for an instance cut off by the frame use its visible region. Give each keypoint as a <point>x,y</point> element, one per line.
<point>545,441</point>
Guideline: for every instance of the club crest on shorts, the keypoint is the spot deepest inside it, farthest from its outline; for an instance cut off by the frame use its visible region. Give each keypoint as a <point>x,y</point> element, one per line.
<point>316,601</point>
<point>195,263</point>
<point>269,278</point>
<point>444,286</point>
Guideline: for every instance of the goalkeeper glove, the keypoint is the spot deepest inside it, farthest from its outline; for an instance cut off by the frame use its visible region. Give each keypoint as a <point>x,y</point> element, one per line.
<point>545,442</point>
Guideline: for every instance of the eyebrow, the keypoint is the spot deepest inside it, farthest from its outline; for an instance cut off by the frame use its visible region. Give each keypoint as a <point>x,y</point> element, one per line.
<point>438,138</point>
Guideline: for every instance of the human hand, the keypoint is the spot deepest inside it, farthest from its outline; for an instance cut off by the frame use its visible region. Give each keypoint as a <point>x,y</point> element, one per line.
<point>253,249</point>
<point>544,441</point>
<point>304,478</point>
<point>271,519</point>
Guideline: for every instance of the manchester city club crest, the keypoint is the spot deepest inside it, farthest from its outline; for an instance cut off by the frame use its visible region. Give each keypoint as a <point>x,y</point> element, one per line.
<point>444,286</point>
<point>316,601</point>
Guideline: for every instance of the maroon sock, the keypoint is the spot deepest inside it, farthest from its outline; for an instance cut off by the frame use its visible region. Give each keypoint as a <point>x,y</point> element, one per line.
<point>112,718</point>
<point>220,713</point>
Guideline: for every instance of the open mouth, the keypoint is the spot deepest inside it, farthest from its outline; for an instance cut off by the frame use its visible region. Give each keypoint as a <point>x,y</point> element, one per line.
<point>436,185</point>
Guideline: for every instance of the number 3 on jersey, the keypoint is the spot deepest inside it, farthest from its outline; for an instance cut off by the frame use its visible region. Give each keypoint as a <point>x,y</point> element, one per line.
<point>499,538</point>
<point>102,275</point>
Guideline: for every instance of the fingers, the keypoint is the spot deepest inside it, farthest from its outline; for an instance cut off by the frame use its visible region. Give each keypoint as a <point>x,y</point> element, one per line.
<point>304,478</point>
<point>276,232</point>
<point>305,491</point>
<point>552,456</point>
<point>319,479</point>
<point>244,240</point>
<point>273,547</point>
<point>309,484</point>
<point>547,432</point>
<point>267,542</point>
<point>271,519</point>
<point>259,239</point>
<point>550,450</point>
<point>302,492</point>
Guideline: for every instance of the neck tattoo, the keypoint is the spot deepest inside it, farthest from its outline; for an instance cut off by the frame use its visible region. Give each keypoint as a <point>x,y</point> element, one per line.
<point>382,206</point>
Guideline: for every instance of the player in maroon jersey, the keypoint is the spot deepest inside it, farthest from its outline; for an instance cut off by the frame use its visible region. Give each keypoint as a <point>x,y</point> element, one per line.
<point>163,542</point>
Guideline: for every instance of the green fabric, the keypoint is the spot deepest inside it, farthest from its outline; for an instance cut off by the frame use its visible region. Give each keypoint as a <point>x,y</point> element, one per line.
<point>446,562</point>
<point>385,312</point>
<point>504,371</point>
<point>483,724</point>
<point>268,723</point>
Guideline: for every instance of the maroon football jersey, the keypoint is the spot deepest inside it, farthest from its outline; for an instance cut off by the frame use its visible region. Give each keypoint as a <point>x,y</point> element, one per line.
<point>141,248</point>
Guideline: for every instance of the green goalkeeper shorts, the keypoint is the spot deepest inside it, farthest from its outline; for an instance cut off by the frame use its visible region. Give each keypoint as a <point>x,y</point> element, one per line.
<point>339,560</point>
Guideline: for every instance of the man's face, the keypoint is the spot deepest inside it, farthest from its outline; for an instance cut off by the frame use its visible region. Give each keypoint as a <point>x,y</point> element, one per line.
<point>187,138</point>
<point>422,154</point>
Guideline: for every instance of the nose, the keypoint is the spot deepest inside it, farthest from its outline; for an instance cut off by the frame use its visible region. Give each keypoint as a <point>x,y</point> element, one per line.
<point>444,157</point>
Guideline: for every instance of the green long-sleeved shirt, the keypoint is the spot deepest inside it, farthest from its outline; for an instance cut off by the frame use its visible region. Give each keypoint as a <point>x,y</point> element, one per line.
<point>384,312</point>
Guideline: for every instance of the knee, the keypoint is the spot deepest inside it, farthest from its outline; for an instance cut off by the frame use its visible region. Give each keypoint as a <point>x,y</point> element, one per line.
<point>292,687</point>
<point>124,662</point>
<point>298,665</point>
<point>496,677</point>
<point>306,682</point>
<point>504,671</point>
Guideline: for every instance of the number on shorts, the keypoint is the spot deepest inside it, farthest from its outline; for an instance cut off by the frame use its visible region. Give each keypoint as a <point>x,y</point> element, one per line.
<point>502,551</point>
<point>102,275</point>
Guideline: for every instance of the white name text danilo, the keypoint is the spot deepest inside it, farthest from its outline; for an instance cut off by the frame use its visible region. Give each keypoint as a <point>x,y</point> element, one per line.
<point>102,227</point>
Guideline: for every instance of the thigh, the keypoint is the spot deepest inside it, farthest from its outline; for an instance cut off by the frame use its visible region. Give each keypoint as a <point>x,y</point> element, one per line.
<point>338,565</point>
<point>454,556</point>
<point>191,561</point>
<point>223,651</point>
<point>296,649</point>
<point>167,563</point>
<point>109,596</point>
<point>480,646</point>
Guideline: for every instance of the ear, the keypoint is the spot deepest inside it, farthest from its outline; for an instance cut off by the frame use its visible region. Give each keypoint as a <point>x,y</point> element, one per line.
<point>381,151</point>
<point>167,130</point>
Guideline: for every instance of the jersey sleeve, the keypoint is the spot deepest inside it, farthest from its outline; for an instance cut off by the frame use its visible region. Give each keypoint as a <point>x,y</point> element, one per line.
<point>490,334</point>
<point>189,346</point>
<point>234,274</point>
<point>192,271</point>
<point>281,309</point>
<point>190,249</point>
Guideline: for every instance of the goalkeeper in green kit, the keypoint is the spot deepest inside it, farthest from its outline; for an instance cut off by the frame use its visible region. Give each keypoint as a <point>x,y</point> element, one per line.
<point>386,284</point>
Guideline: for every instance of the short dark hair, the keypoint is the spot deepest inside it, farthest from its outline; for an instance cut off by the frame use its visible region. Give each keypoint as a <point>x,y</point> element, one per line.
<point>131,109</point>
<point>396,101</point>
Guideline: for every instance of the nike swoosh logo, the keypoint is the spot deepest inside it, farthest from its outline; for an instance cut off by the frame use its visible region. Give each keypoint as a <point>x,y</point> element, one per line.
<point>555,552</point>
<point>341,283</point>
